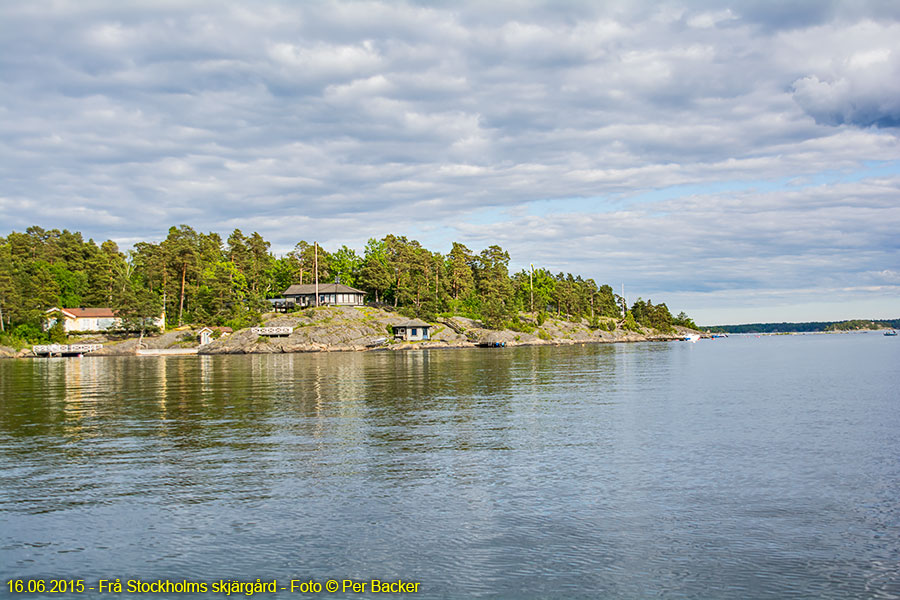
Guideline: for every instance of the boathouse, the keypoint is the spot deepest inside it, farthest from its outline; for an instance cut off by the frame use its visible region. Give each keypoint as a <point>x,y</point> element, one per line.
<point>412,331</point>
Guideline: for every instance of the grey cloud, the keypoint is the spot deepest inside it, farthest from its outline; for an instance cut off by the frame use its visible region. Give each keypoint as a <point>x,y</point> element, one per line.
<point>854,80</point>
<point>835,236</point>
<point>352,119</point>
<point>844,101</point>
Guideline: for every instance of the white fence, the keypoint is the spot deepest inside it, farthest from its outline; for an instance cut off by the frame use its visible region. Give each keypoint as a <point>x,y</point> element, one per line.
<point>65,348</point>
<point>271,331</point>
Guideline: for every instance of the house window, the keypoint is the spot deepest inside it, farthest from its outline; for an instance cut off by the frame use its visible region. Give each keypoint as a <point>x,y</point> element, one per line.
<point>413,332</point>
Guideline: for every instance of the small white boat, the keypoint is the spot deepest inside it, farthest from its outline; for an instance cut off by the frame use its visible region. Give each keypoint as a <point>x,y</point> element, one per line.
<point>691,337</point>
<point>890,333</point>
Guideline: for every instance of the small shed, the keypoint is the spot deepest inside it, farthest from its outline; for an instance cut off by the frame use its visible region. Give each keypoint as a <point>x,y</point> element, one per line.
<point>205,336</point>
<point>412,331</point>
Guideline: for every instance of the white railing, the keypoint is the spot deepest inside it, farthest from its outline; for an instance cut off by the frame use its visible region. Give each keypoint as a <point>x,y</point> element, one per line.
<point>65,348</point>
<point>271,331</point>
<point>82,348</point>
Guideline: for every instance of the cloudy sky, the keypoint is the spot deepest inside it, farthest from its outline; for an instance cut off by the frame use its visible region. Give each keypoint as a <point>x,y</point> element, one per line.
<point>737,161</point>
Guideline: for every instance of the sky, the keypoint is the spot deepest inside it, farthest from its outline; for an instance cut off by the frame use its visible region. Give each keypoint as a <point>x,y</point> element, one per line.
<point>738,161</point>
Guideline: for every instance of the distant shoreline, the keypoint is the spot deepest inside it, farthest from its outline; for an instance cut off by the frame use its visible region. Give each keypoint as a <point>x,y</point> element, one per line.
<point>807,327</point>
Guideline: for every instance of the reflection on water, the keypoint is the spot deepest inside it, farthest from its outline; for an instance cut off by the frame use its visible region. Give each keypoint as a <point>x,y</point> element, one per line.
<point>731,469</point>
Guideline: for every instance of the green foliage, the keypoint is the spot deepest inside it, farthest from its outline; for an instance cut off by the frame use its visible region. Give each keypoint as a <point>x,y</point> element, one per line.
<point>468,306</point>
<point>244,319</point>
<point>262,340</point>
<point>137,309</point>
<point>345,265</point>
<point>375,274</point>
<point>857,325</point>
<point>460,263</point>
<point>684,321</point>
<point>57,333</point>
<point>494,286</point>
<point>544,335</point>
<point>516,324</point>
<point>197,277</point>
<point>648,315</point>
<point>7,339</point>
<point>630,324</point>
<point>30,333</point>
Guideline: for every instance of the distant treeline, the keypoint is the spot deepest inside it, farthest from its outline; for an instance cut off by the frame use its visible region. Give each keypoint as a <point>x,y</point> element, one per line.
<point>207,279</point>
<point>853,325</point>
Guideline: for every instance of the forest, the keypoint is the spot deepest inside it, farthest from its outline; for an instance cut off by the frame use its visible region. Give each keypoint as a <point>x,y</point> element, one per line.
<point>203,278</point>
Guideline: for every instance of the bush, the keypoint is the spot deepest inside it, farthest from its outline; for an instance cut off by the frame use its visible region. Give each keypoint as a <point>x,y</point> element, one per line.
<point>7,339</point>
<point>30,333</point>
<point>262,340</point>
<point>249,318</point>
<point>544,335</point>
<point>516,324</point>
<point>541,317</point>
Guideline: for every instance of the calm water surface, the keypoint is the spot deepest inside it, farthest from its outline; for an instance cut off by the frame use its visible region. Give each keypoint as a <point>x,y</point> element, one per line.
<point>740,468</point>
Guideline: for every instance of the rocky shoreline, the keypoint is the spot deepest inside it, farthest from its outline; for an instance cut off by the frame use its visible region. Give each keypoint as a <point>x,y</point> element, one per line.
<point>355,329</point>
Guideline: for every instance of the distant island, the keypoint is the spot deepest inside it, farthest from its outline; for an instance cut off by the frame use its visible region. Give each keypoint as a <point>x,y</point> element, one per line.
<point>813,326</point>
<point>55,286</point>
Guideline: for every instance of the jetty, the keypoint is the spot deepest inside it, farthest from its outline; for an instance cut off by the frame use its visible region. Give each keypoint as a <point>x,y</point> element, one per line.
<point>64,349</point>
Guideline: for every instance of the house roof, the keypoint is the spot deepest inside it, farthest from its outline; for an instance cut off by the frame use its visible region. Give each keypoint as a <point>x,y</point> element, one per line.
<point>324,288</point>
<point>76,313</point>
<point>415,323</point>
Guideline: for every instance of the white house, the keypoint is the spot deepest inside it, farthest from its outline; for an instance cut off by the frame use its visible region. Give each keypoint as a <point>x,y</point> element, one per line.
<point>91,319</point>
<point>330,294</point>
